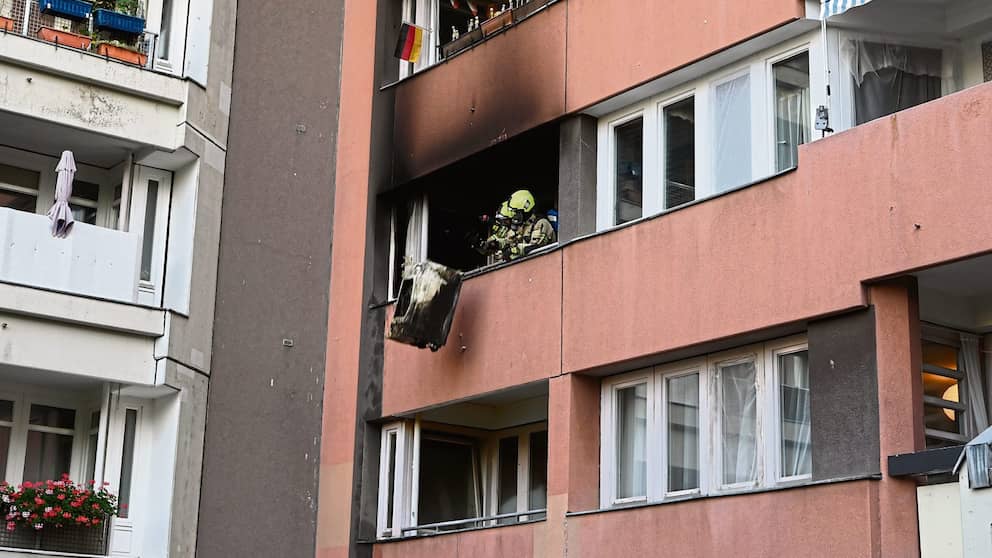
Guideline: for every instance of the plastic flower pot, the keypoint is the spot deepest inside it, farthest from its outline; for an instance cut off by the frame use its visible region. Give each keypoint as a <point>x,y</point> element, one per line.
<point>6,25</point>
<point>74,9</point>
<point>64,38</point>
<point>106,19</point>
<point>122,54</point>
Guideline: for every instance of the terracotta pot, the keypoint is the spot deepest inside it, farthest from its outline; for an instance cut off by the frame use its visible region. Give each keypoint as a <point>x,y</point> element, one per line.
<point>64,38</point>
<point>122,54</point>
<point>6,24</point>
<point>497,23</point>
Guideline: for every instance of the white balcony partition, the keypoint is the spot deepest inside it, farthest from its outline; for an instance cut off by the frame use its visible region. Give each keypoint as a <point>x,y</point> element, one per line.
<point>92,261</point>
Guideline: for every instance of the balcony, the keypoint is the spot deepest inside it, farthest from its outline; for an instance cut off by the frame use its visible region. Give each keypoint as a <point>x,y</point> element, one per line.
<point>91,261</point>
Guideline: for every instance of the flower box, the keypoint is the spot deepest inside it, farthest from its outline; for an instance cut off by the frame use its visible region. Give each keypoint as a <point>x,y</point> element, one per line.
<point>6,25</point>
<point>520,12</point>
<point>73,9</point>
<point>497,23</point>
<point>122,53</point>
<point>75,539</point>
<point>461,43</point>
<point>116,21</point>
<point>64,38</point>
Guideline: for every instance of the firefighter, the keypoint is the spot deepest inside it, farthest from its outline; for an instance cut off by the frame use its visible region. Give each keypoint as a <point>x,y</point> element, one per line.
<point>517,230</point>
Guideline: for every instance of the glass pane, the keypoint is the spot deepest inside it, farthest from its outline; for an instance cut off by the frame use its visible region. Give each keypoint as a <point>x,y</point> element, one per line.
<point>47,456</point>
<point>4,448</point>
<point>448,482</point>
<point>6,410</point>
<point>683,433</point>
<point>507,492</point>
<point>792,109</point>
<point>115,208</point>
<point>165,31</point>
<point>85,191</point>
<point>940,355</point>
<point>632,424</point>
<point>391,476</point>
<point>891,78</point>
<point>19,177</point>
<point>83,214</point>
<point>680,153</point>
<point>538,498</point>
<point>43,415</point>
<point>733,133</point>
<point>18,200</point>
<point>796,450</point>
<point>91,448</point>
<point>629,170</point>
<point>148,236</point>
<point>127,461</point>
<point>739,414</point>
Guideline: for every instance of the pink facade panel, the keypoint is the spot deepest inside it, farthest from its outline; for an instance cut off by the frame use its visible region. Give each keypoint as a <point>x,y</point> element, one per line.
<point>509,323</point>
<point>613,46</point>
<point>504,86</point>
<point>827,521</point>
<point>516,542</point>
<point>901,193</point>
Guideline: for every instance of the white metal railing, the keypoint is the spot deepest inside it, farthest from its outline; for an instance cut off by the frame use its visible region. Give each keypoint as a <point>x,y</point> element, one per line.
<point>476,522</point>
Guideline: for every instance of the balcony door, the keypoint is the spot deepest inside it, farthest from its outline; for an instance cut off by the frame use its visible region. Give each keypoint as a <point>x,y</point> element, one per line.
<point>151,197</point>
<point>127,467</point>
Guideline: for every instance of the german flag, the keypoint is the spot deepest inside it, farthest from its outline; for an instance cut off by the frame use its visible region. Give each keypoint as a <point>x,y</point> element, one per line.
<point>410,43</point>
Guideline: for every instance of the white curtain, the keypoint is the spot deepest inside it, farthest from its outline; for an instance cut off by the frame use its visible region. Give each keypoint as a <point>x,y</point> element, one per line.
<point>733,133</point>
<point>796,455</point>
<point>416,242</point>
<point>632,424</point>
<point>971,360</point>
<point>739,394</point>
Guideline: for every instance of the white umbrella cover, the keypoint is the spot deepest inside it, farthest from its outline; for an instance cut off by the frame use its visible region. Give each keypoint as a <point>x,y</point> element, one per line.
<point>61,213</point>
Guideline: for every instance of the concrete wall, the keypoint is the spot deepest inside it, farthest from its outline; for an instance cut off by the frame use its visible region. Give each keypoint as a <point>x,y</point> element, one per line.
<point>264,418</point>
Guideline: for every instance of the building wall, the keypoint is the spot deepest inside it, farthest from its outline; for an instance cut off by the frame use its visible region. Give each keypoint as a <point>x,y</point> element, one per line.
<point>264,418</point>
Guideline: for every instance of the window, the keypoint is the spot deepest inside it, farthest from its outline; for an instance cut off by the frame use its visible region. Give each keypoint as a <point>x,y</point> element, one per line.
<point>92,446</point>
<point>6,426</point>
<point>437,478</point>
<point>629,171</point>
<point>84,201</point>
<point>954,404</point>
<point>708,135</point>
<point>127,462</point>
<point>792,109</point>
<point>442,19</point>
<point>18,188</point>
<point>49,444</point>
<point>727,422</point>
<point>680,152</point>
<point>732,132</point>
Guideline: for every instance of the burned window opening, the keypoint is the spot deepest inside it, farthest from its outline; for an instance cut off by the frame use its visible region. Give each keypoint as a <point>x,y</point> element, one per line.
<point>459,202</point>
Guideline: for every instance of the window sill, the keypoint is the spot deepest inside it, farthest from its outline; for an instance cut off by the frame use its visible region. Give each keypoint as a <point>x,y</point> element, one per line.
<point>452,532</point>
<point>724,494</point>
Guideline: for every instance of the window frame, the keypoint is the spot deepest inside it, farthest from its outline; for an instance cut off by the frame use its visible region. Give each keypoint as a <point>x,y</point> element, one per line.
<point>406,474</point>
<point>758,67</point>
<point>710,458</point>
<point>788,347</point>
<point>769,84</point>
<point>949,337</point>
<point>426,15</point>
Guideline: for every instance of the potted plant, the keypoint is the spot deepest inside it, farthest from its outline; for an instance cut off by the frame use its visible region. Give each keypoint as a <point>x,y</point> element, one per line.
<point>65,37</point>
<point>120,51</point>
<point>56,516</point>
<point>123,16</point>
<point>73,9</point>
<point>6,24</point>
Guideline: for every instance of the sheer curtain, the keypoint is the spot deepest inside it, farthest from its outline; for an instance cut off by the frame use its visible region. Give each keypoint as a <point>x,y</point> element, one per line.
<point>733,133</point>
<point>739,413</point>
<point>971,360</point>
<point>632,424</point>
<point>889,78</point>
<point>794,379</point>
<point>416,242</point>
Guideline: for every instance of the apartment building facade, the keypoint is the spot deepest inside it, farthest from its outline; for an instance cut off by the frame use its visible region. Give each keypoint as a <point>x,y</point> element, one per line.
<point>107,330</point>
<point>763,329</point>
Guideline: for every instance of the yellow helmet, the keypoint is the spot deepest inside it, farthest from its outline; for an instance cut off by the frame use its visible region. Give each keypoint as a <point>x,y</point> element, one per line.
<point>505,211</point>
<point>521,200</point>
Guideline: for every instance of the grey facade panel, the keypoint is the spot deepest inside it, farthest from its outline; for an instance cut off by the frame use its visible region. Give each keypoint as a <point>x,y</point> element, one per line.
<point>577,177</point>
<point>844,396</point>
<point>264,410</point>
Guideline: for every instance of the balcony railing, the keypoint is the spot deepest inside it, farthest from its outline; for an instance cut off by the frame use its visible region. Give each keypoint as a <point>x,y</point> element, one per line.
<point>92,261</point>
<point>74,24</point>
<point>475,523</point>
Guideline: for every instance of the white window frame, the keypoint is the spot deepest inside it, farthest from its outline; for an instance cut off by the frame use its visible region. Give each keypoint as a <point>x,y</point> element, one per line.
<point>406,474</point>
<point>395,248</point>
<point>772,354</point>
<point>150,291</point>
<point>427,16</point>
<point>761,83</point>
<point>710,462</point>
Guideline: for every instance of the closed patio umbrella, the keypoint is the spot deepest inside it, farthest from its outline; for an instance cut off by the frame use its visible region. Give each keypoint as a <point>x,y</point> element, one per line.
<point>61,213</point>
